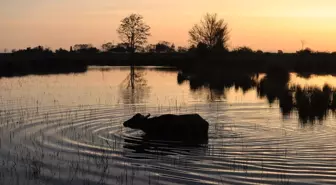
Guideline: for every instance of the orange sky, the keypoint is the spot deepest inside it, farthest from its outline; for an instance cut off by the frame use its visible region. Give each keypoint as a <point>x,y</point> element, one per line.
<point>260,24</point>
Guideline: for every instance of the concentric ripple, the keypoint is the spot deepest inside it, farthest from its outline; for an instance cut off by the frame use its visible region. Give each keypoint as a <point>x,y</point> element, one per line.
<point>88,145</point>
<point>67,129</point>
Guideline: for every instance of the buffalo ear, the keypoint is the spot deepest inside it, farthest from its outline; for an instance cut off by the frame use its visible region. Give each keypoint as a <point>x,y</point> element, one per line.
<point>147,116</point>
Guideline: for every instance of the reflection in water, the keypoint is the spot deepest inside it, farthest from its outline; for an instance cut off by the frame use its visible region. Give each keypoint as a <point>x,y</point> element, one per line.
<point>67,129</point>
<point>141,148</point>
<point>314,103</point>
<point>216,85</point>
<point>311,103</point>
<point>134,88</point>
<point>274,86</point>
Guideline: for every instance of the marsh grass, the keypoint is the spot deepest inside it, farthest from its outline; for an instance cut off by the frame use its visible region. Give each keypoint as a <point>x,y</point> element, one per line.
<point>85,144</point>
<point>32,161</point>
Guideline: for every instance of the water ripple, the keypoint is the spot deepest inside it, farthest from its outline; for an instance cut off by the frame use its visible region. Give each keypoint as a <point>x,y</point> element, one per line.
<point>89,145</point>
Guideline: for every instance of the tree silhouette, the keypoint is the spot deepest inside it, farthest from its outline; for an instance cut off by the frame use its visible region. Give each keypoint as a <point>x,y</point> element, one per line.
<point>164,47</point>
<point>61,51</point>
<point>85,48</point>
<point>133,31</point>
<point>181,49</point>
<point>107,46</point>
<point>150,48</point>
<point>210,31</point>
<point>243,49</point>
<point>35,50</point>
<point>120,48</point>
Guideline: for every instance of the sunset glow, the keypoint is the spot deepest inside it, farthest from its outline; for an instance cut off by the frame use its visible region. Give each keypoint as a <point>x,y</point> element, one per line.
<point>259,24</point>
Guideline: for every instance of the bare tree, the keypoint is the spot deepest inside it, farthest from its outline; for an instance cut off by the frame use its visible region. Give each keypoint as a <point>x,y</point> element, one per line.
<point>211,31</point>
<point>133,31</point>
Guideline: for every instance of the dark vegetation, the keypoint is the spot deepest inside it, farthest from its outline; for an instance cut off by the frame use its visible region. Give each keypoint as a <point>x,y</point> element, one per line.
<point>311,103</point>
<point>207,54</point>
<point>206,64</point>
<point>41,60</point>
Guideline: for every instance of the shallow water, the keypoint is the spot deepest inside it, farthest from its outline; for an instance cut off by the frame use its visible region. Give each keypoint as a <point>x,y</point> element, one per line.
<point>67,129</point>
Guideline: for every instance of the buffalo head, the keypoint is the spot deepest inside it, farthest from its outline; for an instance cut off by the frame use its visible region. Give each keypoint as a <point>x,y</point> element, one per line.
<point>136,121</point>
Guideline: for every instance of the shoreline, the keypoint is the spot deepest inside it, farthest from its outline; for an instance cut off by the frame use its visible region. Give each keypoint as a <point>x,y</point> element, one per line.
<point>26,64</point>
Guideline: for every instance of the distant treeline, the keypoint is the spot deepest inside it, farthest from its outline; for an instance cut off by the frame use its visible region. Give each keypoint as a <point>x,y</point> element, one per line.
<point>40,60</point>
<point>207,54</point>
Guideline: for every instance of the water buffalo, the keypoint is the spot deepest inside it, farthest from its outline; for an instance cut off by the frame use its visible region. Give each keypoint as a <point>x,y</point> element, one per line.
<point>190,127</point>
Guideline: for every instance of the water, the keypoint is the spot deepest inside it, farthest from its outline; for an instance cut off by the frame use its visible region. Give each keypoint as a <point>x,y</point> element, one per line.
<point>67,129</point>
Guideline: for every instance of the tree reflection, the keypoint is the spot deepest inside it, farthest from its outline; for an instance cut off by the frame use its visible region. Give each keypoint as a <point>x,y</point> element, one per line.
<point>214,86</point>
<point>134,88</point>
<point>274,86</point>
<point>310,103</point>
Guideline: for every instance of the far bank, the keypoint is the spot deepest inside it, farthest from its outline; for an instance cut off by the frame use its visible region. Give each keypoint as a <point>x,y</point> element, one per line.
<point>12,64</point>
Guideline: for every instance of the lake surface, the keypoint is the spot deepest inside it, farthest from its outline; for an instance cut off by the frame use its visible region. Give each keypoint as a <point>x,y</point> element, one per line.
<point>67,129</point>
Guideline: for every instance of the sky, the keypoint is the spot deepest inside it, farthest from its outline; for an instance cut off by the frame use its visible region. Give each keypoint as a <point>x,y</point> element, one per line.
<point>259,24</point>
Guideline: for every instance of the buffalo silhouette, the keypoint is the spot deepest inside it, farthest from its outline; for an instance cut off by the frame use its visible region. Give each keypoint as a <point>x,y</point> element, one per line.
<point>189,127</point>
